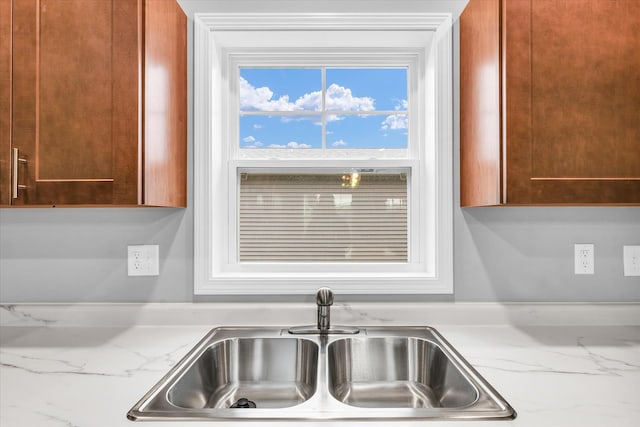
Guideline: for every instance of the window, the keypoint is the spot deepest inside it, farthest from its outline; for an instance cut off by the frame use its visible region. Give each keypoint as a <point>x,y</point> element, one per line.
<point>323,153</point>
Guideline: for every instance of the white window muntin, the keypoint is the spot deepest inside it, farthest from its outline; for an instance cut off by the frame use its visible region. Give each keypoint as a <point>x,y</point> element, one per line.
<point>215,33</point>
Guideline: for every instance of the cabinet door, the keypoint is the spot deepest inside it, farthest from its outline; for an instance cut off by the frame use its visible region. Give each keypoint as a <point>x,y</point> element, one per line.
<point>165,104</point>
<point>5,102</point>
<point>572,87</point>
<point>480,105</point>
<point>75,75</point>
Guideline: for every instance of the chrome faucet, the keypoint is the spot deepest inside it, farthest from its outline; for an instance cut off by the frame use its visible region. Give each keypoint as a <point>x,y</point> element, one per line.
<point>324,301</point>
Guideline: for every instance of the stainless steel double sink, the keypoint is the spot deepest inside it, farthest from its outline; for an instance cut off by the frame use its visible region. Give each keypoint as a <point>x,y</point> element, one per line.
<point>268,374</point>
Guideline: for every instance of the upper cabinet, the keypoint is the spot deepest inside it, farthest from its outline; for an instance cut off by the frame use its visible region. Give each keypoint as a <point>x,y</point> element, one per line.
<point>550,102</point>
<point>93,103</point>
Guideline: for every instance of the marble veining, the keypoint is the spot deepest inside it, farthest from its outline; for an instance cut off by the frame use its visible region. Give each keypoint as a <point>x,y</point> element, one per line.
<point>354,315</point>
<point>13,311</point>
<point>90,374</point>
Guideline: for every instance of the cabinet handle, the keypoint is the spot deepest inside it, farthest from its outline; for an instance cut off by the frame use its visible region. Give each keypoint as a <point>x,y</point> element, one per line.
<point>15,187</point>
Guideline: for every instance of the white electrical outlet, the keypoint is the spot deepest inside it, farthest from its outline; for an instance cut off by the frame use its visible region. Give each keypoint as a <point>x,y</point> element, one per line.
<point>143,260</point>
<point>631,257</point>
<point>584,258</point>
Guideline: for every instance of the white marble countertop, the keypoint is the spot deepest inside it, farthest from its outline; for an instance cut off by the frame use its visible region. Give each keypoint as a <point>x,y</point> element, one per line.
<point>86,365</point>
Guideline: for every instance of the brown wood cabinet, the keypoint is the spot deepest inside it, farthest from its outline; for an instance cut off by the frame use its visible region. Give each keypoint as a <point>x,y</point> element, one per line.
<point>93,103</point>
<point>550,102</point>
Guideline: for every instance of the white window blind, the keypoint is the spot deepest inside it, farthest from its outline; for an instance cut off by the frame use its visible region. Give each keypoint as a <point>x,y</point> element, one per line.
<point>323,217</point>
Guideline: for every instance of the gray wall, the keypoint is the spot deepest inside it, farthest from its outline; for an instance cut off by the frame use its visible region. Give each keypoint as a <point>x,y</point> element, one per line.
<point>501,254</point>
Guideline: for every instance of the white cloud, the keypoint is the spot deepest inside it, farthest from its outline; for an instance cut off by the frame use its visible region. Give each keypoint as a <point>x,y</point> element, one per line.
<point>338,98</point>
<point>309,101</point>
<point>290,144</point>
<point>251,142</point>
<point>395,121</point>
<point>261,99</point>
<point>252,98</point>
<point>402,105</point>
<point>339,143</point>
<point>294,144</point>
<point>341,99</point>
<point>257,126</point>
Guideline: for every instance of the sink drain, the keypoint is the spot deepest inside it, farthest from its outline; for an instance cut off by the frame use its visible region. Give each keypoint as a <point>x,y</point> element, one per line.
<point>243,402</point>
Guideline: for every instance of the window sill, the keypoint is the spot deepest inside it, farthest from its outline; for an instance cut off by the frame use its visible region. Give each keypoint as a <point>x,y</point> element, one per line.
<point>296,284</point>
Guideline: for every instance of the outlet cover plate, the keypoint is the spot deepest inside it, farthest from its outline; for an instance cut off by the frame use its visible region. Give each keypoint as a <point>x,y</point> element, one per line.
<point>631,257</point>
<point>584,258</point>
<point>143,260</point>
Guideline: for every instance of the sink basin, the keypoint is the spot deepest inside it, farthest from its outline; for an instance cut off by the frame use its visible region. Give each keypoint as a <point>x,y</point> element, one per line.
<point>276,372</point>
<point>396,372</point>
<point>409,373</point>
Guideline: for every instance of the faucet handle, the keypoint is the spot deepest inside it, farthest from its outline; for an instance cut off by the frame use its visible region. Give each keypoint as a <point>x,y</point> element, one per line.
<point>324,299</point>
<point>324,296</point>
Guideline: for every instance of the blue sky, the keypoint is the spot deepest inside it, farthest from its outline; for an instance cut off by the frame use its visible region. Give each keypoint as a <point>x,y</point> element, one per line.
<point>362,91</point>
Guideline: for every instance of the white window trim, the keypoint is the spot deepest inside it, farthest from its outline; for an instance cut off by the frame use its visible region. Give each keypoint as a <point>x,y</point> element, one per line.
<point>208,277</point>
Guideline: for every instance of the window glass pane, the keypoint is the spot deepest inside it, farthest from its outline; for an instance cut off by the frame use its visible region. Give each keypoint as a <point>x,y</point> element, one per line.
<point>367,131</point>
<point>364,108</point>
<point>280,89</point>
<point>323,217</point>
<point>366,89</point>
<point>290,131</point>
